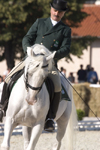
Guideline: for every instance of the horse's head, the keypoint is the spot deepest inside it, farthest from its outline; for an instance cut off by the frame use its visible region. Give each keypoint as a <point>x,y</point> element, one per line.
<point>36,70</point>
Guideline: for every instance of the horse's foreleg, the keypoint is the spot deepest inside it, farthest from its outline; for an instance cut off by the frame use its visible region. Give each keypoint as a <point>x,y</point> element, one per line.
<point>26,136</point>
<point>35,134</point>
<point>9,126</point>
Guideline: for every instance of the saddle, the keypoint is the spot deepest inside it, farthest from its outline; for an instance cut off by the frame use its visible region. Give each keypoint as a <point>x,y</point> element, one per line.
<point>50,88</point>
<point>13,80</point>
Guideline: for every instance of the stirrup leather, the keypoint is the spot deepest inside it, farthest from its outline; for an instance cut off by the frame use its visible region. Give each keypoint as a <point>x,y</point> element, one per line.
<point>1,113</point>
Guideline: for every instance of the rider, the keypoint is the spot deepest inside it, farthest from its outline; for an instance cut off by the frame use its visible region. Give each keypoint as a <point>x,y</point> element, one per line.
<point>54,35</point>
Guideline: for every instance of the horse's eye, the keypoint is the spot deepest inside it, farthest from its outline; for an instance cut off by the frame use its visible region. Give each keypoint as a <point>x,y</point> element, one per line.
<point>37,66</point>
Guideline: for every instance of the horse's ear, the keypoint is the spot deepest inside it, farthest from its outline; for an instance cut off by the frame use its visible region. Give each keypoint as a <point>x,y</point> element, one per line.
<point>51,56</point>
<point>43,51</point>
<point>29,51</point>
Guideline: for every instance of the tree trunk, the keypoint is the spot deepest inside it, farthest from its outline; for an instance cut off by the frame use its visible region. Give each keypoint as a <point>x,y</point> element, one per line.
<point>9,54</point>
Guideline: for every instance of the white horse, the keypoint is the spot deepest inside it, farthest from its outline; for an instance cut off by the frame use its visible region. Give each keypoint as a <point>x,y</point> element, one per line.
<point>29,103</point>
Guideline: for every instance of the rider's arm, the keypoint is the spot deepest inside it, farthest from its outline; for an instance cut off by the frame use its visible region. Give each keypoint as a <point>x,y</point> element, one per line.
<point>30,37</point>
<point>65,46</point>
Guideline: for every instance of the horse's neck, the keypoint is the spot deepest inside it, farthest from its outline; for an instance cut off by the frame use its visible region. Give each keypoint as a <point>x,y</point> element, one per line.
<point>43,93</point>
<point>21,82</point>
<point>43,89</point>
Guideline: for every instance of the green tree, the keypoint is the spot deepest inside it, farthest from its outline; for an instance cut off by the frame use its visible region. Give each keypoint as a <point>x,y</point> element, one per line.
<point>16,17</point>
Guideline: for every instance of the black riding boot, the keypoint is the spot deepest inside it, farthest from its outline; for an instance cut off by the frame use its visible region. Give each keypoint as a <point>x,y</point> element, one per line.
<point>3,103</point>
<point>49,124</point>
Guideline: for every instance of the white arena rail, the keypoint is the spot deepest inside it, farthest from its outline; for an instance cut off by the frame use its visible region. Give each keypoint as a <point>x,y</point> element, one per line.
<point>89,124</point>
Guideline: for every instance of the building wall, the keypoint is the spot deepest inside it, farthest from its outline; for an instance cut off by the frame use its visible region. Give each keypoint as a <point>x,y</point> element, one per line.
<point>3,66</point>
<point>96,56</point>
<point>85,60</point>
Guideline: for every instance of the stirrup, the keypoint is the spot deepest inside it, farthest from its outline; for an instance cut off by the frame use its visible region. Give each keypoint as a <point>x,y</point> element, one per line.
<point>49,125</point>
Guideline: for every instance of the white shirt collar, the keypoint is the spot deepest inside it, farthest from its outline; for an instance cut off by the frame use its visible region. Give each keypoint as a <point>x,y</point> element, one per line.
<point>54,22</point>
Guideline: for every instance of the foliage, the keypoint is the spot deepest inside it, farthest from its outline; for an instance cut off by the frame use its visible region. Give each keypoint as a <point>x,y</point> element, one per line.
<point>75,15</point>
<point>80,114</point>
<point>17,16</point>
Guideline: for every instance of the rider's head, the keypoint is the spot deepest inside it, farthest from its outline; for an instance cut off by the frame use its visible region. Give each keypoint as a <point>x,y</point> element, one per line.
<point>58,9</point>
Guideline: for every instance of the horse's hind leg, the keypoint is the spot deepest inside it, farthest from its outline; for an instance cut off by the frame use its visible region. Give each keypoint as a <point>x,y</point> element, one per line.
<point>26,136</point>
<point>9,126</point>
<point>61,128</point>
<point>62,123</point>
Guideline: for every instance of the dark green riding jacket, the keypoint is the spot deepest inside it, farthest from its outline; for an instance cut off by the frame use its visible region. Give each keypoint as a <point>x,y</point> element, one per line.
<point>55,38</point>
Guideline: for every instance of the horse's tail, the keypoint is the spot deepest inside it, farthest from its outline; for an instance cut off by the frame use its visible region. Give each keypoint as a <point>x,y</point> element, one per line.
<point>72,128</point>
<point>72,123</point>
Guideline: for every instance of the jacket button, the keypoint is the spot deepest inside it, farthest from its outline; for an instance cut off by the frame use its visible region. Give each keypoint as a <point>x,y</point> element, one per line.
<point>43,37</point>
<point>41,43</point>
<point>51,45</point>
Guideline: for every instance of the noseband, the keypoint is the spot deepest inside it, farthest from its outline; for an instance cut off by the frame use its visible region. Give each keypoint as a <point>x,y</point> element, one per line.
<point>28,85</point>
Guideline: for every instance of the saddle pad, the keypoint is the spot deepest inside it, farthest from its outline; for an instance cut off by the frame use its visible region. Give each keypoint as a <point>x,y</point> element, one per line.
<point>64,95</point>
<point>50,88</point>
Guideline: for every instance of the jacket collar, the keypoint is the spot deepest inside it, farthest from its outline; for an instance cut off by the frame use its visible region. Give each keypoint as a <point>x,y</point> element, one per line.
<point>51,28</point>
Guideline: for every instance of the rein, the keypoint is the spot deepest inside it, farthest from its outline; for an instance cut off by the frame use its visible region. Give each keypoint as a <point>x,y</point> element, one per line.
<point>28,85</point>
<point>79,95</point>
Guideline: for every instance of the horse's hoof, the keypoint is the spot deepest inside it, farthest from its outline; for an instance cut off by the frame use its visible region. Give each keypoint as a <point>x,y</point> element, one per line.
<point>1,115</point>
<point>57,146</point>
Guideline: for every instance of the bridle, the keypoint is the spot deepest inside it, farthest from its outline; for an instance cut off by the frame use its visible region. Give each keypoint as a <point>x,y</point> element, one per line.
<point>26,80</point>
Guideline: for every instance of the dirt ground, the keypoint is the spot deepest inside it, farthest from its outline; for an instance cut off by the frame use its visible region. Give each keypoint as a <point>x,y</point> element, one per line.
<point>87,140</point>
